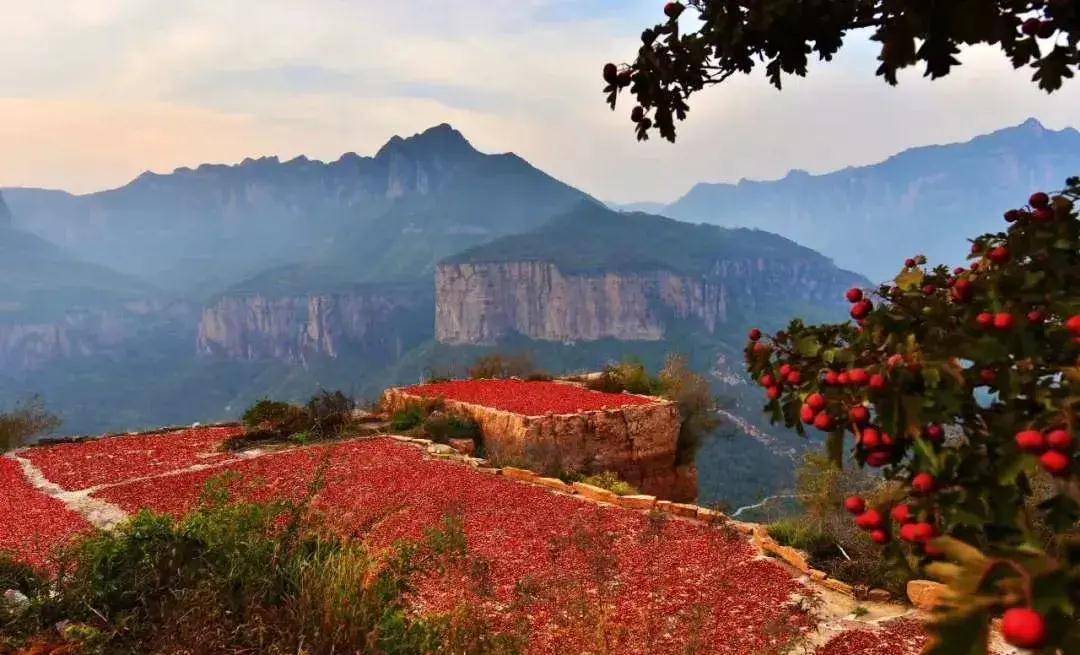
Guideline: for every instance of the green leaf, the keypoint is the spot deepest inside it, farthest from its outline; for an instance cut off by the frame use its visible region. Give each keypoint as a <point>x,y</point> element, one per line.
<point>808,346</point>
<point>960,633</point>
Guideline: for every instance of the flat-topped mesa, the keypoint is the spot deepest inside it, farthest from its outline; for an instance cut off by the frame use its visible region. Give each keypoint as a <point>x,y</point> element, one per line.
<point>555,427</point>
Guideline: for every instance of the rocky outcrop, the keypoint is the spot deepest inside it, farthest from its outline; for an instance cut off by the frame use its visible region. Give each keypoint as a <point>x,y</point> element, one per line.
<point>481,303</point>
<point>29,344</point>
<point>637,442</point>
<point>294,328</point>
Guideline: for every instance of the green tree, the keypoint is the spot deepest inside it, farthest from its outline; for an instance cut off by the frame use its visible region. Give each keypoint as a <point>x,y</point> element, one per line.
<point>733,36</point>
<point>28,419</point>
<point>963,386</point>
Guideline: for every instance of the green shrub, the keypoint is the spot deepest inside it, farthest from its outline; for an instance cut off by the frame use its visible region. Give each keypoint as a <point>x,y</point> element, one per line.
<point>240,577</point>
<point>441,427</point>
<point>328,413</point>
<point>630,376</point>
<point>18,576</point>
<point>28,419</point>
<point>407,419</point>
<point>612,482</point>
<point>499,366</point>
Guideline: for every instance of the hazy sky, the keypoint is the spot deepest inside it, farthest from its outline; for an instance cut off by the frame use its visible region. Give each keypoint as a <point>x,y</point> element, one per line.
<point>93,92</point>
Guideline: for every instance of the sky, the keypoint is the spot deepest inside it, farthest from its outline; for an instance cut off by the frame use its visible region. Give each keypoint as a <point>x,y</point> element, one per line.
<point>94,92</point>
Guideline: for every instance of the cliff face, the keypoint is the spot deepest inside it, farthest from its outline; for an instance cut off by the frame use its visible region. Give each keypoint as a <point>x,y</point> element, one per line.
<point>28,344</point>
<point>294,328</point>
<point>481,303</point>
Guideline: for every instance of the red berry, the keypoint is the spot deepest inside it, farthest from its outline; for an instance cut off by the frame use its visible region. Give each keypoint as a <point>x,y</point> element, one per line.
<point>935,433</point>
<point>611,72</point>
<point>762,348</point>
<point>923,532</point>
<point>878,382</point>
<point>807,414</point>
<point>1004,321</point>
<point>932,551</point>
<point>768,380</point>
<point>816,402</point>
<point>963,290</point>
<point>673,9</point>
<point>1046,29</point>
<point>871,519</point>
<point>1023,627</point>
<point>784,370</point>
<point>909,532</point>
<point>879,537</point>
<point>773,393</point>
<point>1042,215</point>
<point>909,262</point>
<point>1013,215</point>
<point>895,360</point>
<point>794,378</point>
<point>976,248</point>
<point>988,376</point>
<point>858,376</point>
<point>755,334</point>
<point>1060,440</point>
<point>855,505</point>
<point>929,290</point>
<point>859,415</point>
<point>1031,441</point>
<point>824,422</point>
<point>1038,200</point>
<point>1073,324</point>
<point>879,458</point>
<point>843,379</point>
<point>923,484</point>
<point>985,320</point>
<point>870,439</point>
<point>832,378</point>
<point>902,514</point>
<point>1036,317</point>
<point>999,255</point>
<point>854,295</point>
<point>861,309</point>
<point>1056,464</point>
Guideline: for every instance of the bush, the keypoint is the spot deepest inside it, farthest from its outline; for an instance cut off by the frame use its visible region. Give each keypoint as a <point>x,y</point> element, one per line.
<point>441,427</point>
<point>498,366</point>
<point>28,419</point>
<point>325,416</point>
<point>961,385</point>
<point>235,577</point>
<point>630,376</point>
<point>612,482</point>
<point>697,405</point>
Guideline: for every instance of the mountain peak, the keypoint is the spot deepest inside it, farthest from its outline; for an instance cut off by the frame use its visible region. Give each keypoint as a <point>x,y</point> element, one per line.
<point>1033,124</point>
<point>441,139</point>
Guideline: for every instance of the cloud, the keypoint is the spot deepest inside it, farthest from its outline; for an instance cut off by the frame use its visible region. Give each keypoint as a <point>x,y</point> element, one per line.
<point>95,91</point>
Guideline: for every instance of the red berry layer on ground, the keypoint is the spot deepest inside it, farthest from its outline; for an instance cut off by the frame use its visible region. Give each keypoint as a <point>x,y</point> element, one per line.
<point>529,398</point>
<point>570,571</point>
<point>87,464</point>
<point>899,637</point>
<point>32,525</point>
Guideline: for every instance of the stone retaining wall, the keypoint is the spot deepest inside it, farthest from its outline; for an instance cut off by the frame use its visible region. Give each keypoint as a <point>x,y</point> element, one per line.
<point>925,595</point>
<point>638,442</point>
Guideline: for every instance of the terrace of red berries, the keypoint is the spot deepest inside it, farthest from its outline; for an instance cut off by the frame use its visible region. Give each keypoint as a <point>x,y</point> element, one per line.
<point>529,398</point>
<point>672,581</point>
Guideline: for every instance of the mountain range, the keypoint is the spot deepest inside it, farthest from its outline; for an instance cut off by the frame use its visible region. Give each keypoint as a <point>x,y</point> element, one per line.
<point>186,296</point>
<point>927,200</point>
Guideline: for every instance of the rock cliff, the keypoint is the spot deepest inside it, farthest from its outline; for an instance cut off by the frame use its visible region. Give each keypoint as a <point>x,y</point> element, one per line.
<point>294,328</point>
<point>482,303</point>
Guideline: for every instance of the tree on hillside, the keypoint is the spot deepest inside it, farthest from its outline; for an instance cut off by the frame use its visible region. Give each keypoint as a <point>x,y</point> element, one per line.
<point>963,387</point>
<point>28,419</point>
<point>733,36</point>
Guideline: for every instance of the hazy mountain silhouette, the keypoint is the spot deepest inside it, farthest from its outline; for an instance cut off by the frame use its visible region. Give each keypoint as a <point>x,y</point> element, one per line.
<point>929,199</point>
<point>387,216</point>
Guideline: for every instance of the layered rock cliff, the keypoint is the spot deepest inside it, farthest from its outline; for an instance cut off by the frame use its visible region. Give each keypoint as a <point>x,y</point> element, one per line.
<point>483,303</point>
<point>294,328</point>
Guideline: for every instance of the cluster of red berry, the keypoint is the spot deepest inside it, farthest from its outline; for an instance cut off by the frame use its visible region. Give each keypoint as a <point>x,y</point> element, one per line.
<point>1054,449</point>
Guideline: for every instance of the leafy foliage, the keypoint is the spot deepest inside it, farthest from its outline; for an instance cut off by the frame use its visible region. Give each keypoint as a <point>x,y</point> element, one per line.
<point>28,419</point>
<point>733,37</point>
<point>324,416</point>
<point>498,366</point>
<point>612,482</point>
<point>963,386</point>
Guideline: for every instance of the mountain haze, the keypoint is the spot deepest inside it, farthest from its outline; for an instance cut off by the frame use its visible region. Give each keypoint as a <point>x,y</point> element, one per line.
<point>927,200</point>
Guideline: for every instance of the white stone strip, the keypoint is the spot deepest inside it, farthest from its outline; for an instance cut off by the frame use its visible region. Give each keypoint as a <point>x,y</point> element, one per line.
<point>99,513</point>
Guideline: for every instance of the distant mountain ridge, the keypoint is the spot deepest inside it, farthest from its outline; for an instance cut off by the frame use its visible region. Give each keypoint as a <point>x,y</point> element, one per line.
<point>927,200</point>
<point>387,216</point>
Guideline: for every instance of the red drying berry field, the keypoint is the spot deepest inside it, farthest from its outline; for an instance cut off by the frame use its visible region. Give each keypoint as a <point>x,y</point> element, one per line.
<point>32,524</point>
<point>88,464</point>
<point>572,572</point>
<point>899,637</point>
<point>529,398</point>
